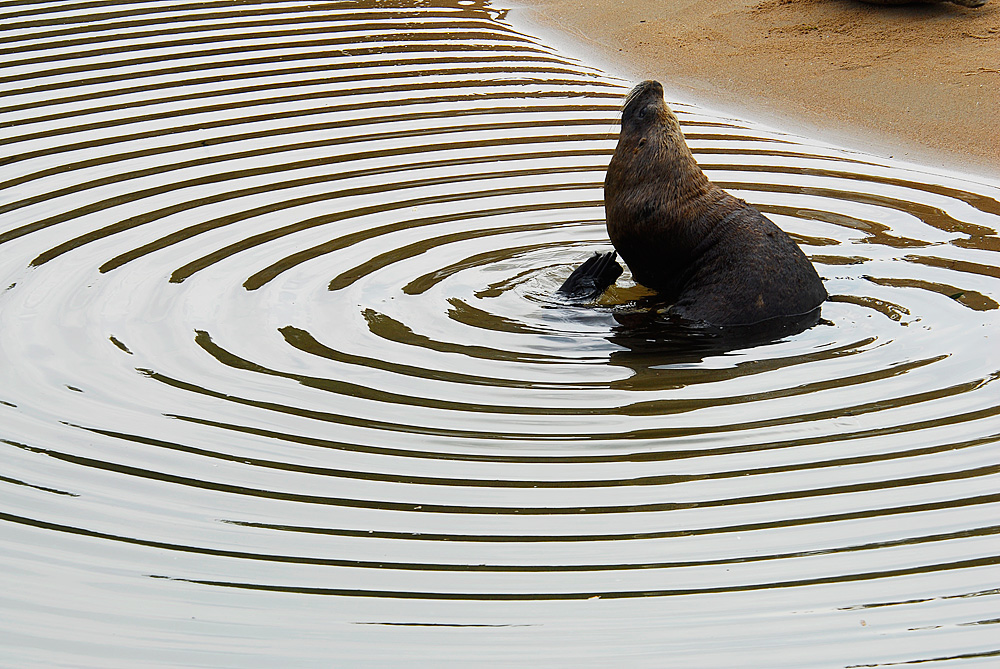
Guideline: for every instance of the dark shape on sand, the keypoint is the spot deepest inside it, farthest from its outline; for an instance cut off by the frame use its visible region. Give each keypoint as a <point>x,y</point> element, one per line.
<point>964,3</point>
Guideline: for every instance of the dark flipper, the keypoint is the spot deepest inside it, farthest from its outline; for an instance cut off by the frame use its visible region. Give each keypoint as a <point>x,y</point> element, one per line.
<point>590,279</point>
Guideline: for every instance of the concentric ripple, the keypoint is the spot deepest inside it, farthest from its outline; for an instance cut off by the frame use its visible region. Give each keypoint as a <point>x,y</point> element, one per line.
<point>285,382</point>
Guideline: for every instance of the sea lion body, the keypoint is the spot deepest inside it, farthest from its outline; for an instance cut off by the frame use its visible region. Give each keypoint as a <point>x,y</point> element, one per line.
<point>716,258</point>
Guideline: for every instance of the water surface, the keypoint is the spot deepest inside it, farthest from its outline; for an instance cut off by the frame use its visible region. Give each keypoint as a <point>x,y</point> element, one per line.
<point>283,380</point>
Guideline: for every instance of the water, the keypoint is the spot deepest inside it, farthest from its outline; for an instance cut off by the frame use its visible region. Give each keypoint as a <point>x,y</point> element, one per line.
<point>283,380</point>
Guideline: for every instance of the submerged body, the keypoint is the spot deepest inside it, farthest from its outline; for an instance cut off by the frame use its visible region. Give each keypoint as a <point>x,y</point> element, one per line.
<point>716,258</point>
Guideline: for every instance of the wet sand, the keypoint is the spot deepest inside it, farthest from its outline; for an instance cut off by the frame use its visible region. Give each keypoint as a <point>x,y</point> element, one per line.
<point>917,82</point>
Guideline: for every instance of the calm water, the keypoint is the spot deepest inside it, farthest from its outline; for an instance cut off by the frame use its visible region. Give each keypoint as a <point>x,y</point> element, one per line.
<point>283,381</point>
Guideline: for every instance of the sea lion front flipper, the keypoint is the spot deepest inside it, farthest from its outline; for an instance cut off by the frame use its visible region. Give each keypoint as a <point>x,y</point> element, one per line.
<point>591,278</point>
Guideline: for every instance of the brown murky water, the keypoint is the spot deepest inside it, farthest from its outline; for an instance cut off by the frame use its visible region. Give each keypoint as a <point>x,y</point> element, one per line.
<point>283,381</point>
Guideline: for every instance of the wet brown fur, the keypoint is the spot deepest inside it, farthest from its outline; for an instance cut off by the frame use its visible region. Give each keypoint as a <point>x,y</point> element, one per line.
<point>714,256</point>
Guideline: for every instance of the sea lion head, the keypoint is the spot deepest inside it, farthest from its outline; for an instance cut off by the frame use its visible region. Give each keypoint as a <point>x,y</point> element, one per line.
<point>652,150</point>
<point>645,113</point>
<point>652,188</point>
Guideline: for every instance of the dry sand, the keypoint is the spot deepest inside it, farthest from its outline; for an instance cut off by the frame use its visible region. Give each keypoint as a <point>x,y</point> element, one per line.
<point>919,82</point>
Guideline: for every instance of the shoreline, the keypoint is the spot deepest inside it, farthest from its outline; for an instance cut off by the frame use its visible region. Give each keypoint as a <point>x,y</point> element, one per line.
<point>916,83</point>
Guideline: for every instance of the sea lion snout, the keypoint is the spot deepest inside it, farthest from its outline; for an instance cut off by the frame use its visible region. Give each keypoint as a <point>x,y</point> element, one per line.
<point>642,95</point>
<point>643,105</point>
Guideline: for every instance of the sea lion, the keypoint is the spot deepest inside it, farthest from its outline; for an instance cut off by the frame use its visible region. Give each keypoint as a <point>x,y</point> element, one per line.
<point>716,258</point>
<point>964,3</point>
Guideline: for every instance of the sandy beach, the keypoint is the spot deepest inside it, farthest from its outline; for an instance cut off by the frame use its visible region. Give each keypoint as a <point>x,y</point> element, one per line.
<point>918,82</point>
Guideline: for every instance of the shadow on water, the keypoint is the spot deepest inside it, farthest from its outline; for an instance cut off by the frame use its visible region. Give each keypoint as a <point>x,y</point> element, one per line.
<point>651,337</point>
